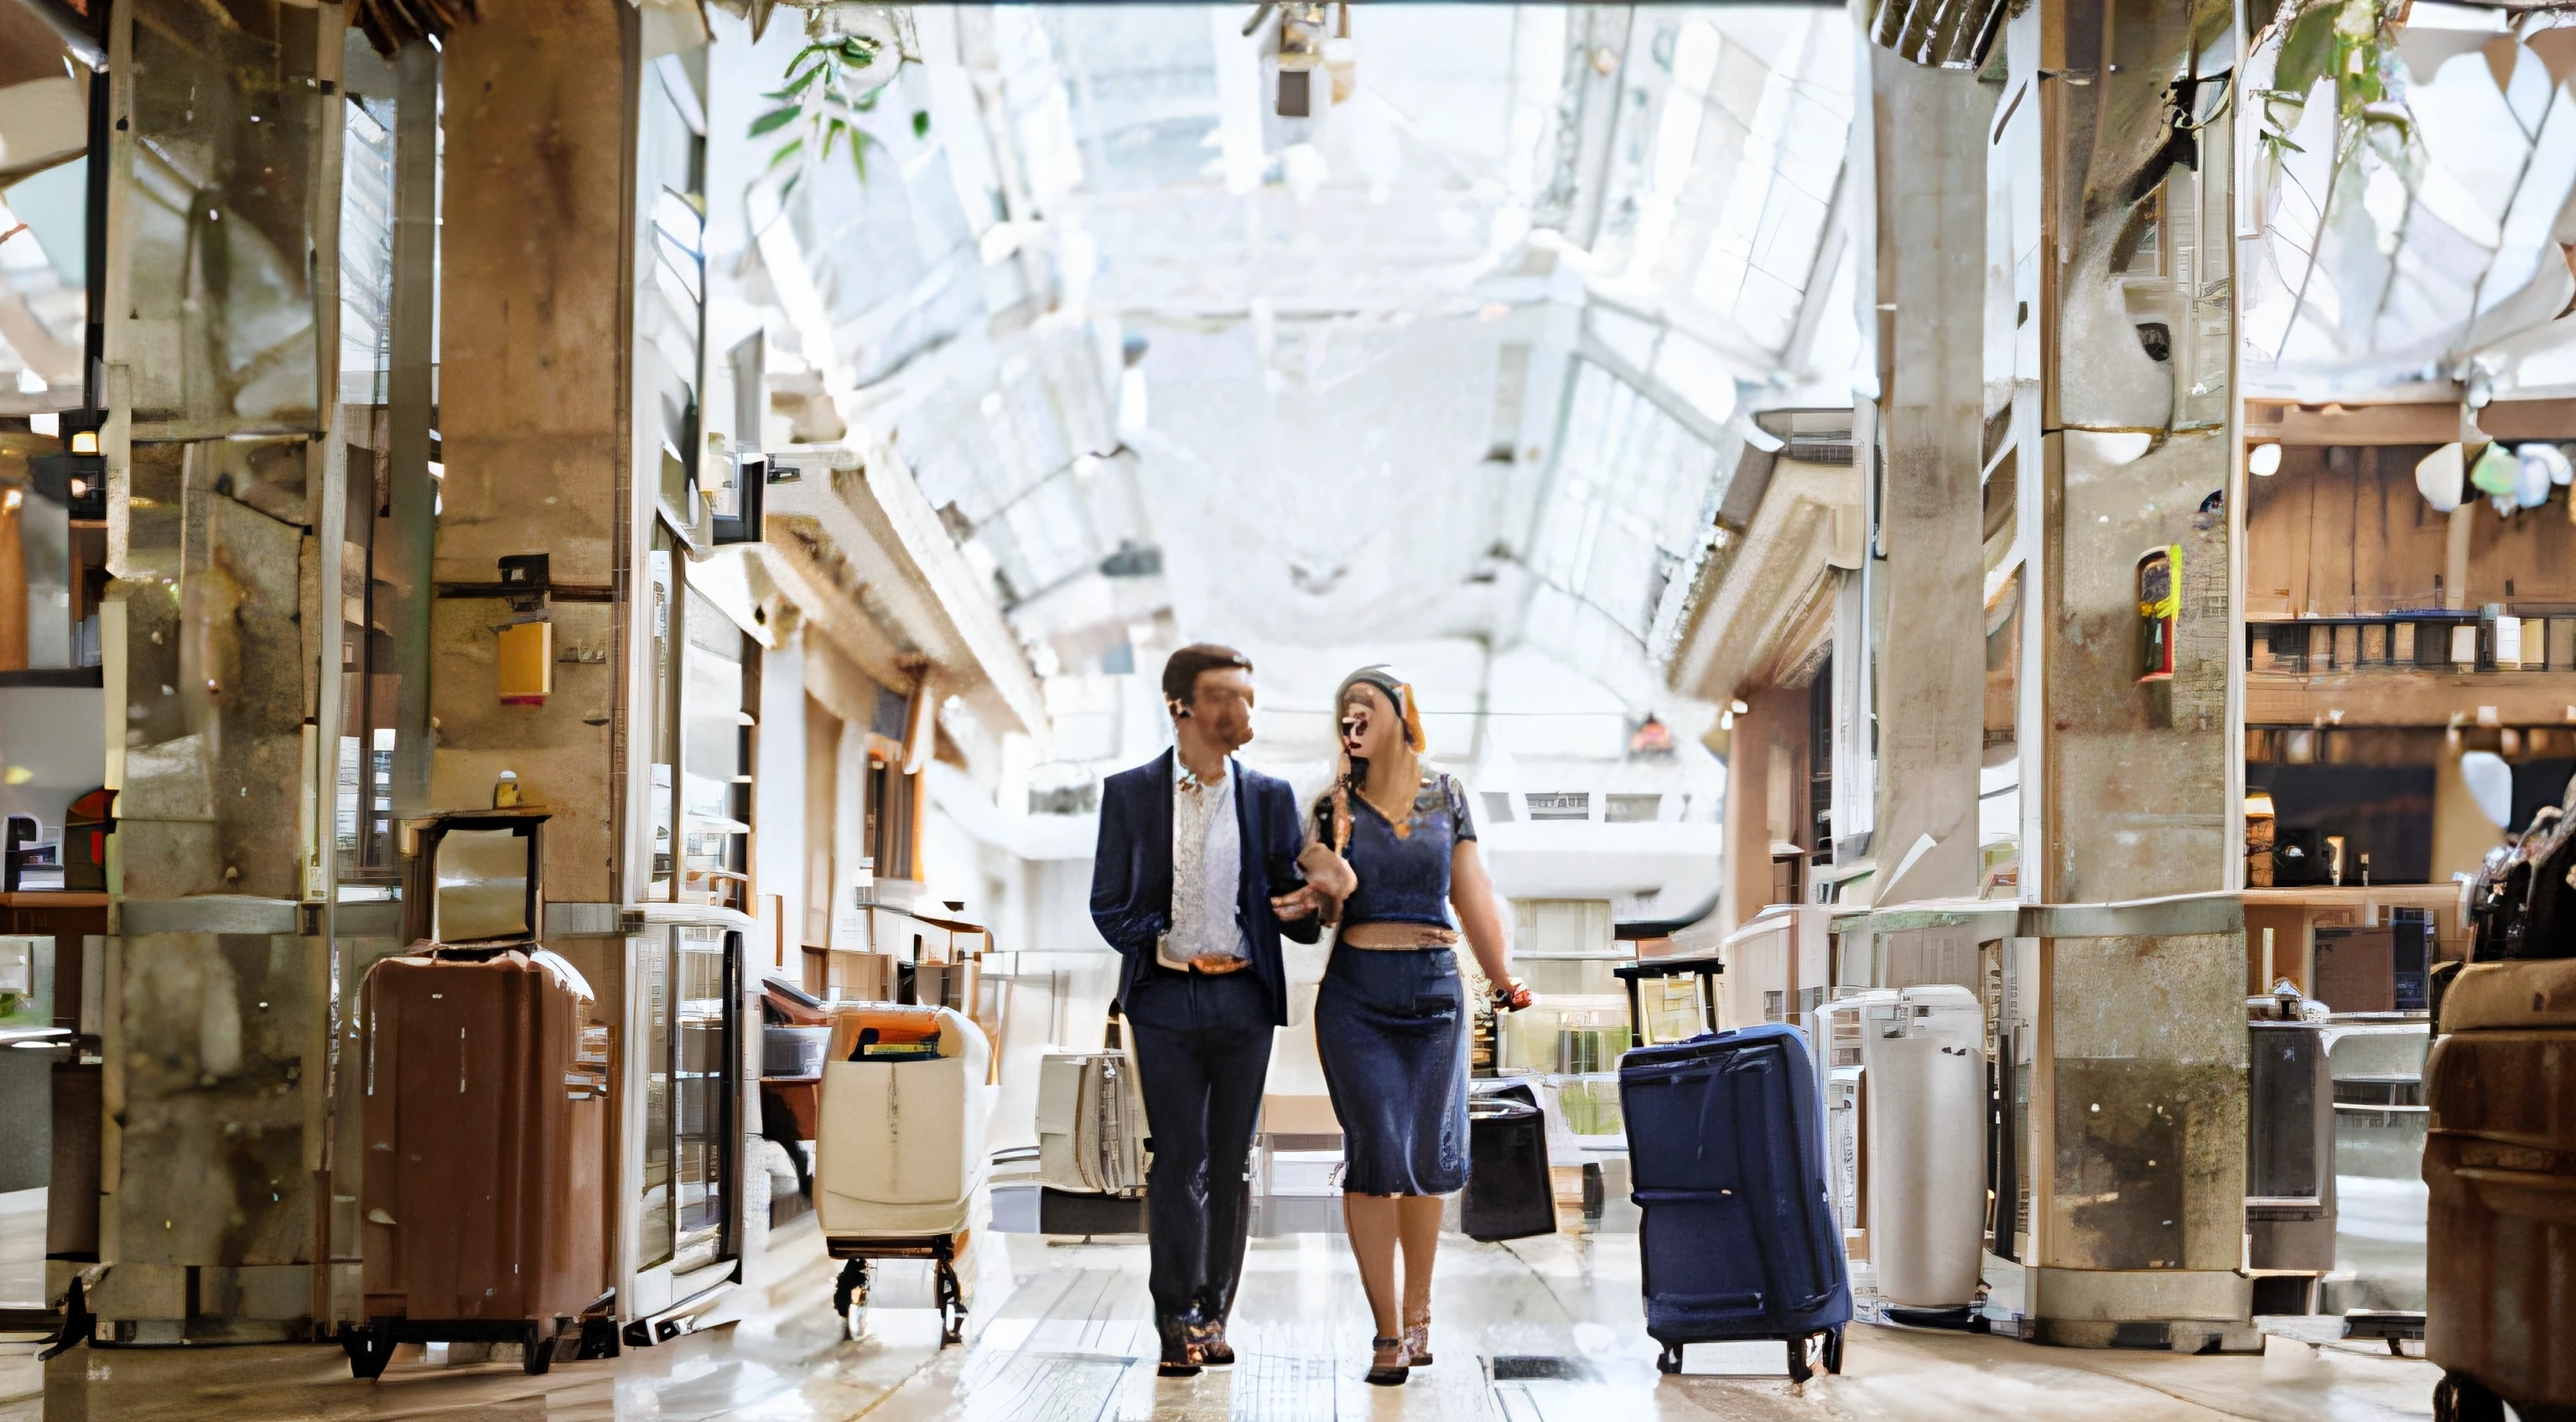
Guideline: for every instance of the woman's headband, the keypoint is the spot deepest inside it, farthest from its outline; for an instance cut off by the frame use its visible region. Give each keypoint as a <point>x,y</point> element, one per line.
<point>1399,693</point>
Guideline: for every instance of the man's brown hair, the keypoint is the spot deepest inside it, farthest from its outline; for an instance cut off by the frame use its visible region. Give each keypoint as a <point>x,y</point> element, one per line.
<point>1181,673</point>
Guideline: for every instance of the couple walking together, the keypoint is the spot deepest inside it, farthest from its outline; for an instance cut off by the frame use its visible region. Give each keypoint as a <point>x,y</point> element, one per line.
<point>1202,864</point>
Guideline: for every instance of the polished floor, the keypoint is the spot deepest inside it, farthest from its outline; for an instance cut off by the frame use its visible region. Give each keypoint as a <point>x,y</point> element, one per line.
<point>1544,1330</point>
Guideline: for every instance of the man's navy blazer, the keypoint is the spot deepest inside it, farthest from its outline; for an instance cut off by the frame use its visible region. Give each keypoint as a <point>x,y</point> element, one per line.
<point>1131,870</point>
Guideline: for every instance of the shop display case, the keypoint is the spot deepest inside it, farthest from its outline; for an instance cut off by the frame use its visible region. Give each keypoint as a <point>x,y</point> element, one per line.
<point>1569,1038</point>
<point>688,1060</point>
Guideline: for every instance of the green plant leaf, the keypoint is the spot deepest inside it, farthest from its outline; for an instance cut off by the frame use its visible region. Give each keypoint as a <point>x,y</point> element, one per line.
<point>774,120</point>
<point>2308,49</point>
<point>921,123</point>
<point>831,134</point>
<point>787,151</point>
<point>799,83</point>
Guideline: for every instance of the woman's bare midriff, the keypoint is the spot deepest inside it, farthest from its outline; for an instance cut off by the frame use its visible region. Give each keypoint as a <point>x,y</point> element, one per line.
<point>1383,934</point>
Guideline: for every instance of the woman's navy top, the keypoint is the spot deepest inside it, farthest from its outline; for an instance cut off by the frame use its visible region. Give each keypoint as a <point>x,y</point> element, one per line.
<point>1404,869</point>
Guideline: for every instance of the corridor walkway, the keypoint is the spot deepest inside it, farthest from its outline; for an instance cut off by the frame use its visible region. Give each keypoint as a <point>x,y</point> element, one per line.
<point>1546,1330</point>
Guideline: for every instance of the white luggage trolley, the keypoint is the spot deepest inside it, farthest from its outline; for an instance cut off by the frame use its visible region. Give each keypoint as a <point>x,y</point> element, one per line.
<point>900,1157</point>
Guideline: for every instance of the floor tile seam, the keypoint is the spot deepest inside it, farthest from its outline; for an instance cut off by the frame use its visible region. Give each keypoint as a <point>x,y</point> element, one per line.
<point>898,1385</point>
<point>2086,1366</point>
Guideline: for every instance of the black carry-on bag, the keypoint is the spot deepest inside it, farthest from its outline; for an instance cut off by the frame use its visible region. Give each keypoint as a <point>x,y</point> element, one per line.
<point>1508,1193</point>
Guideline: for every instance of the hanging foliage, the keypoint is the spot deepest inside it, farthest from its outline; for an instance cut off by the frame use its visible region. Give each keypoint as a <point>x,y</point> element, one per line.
<point>830,82</point>
<point>2347,40</point>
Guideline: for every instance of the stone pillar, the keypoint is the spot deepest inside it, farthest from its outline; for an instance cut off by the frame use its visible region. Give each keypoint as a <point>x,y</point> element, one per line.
<point>536,310</point>
<point>2137,1044</point>
<point>1929,139</point>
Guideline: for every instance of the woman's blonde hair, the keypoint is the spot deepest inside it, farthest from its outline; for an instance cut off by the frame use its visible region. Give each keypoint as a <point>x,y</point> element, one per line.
<point>1409,713</point>
<point>1399,694</point>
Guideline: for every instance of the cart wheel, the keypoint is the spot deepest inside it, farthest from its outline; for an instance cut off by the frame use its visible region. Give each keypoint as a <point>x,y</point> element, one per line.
<point>538,1353</point>
<point>1669,1360</point>
<point>952,1305</point>
<point>2461,1398</point>
<point>1800,1369</point>
<point>851,1288</point>
<point>369,1351</point>
<point>1834,1352</point>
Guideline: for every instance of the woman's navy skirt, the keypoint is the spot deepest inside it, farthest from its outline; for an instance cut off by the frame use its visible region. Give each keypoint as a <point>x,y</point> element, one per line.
<point>1391,1026</point>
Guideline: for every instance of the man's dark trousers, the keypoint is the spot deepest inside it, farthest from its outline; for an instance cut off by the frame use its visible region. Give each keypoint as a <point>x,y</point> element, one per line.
<point>1202,1054</point>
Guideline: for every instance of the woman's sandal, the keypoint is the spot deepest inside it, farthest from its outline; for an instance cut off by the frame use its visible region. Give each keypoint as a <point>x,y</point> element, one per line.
<point>1207,1343</point>
<point>1181,1359</point>
<point>1383,1372</point>
<point>1417,1344</point>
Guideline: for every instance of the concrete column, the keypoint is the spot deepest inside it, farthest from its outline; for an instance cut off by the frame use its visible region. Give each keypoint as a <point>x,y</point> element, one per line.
<point>536,306</point>
<point>1929,139</point>
<point>2138,1070</point>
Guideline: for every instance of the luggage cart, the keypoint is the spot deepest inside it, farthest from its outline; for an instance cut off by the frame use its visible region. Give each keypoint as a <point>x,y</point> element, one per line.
<point>851,1289</point>
<point>899,1149</point>
<point>1704,967</point>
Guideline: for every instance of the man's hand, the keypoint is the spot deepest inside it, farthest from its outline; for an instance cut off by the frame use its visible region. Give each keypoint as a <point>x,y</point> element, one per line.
<point>1328,873</point>
<point>1292,907</point>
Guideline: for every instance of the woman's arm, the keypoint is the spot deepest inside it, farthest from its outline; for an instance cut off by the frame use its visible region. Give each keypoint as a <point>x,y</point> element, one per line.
<point>1471,897</point>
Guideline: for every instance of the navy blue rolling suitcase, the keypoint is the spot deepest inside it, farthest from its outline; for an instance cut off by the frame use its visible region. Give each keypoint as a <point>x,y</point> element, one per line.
<point>1726,1153</point>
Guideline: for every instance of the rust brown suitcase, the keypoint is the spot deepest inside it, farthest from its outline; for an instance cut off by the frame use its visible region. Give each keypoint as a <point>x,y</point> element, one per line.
<point>483,1205</point>
<point>2500,1167</point>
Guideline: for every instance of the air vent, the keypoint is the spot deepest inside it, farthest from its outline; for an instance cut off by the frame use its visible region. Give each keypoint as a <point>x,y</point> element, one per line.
<point>1065,799</point>
<point>1560,805</point>
<point>1633,809</point>
<point>1819,448</point>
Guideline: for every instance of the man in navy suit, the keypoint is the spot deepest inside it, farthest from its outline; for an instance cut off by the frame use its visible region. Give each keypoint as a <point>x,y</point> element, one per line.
<point>1195,873</point>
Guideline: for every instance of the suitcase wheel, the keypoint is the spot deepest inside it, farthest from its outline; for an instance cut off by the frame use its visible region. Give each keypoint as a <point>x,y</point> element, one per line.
<point>537,1354</point>
<point>2461,1398</point>
<point>1669,1360</point>
<point>1802,1364</point>
<point>369,1351</point>
<point>598,1339</point>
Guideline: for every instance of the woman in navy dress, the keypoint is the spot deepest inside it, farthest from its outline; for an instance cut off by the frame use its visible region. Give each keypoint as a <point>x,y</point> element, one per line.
<point>1394,842</point>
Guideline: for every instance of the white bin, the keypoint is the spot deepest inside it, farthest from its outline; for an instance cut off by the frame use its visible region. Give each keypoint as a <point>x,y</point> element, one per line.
<point>1923,1058</point>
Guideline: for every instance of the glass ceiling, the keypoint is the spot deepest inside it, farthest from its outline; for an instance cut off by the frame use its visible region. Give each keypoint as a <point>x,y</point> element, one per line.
<point>2410,206</point>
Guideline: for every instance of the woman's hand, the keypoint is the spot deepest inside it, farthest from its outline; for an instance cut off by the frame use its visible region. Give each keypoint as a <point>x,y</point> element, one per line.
<point>1511,995</point>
